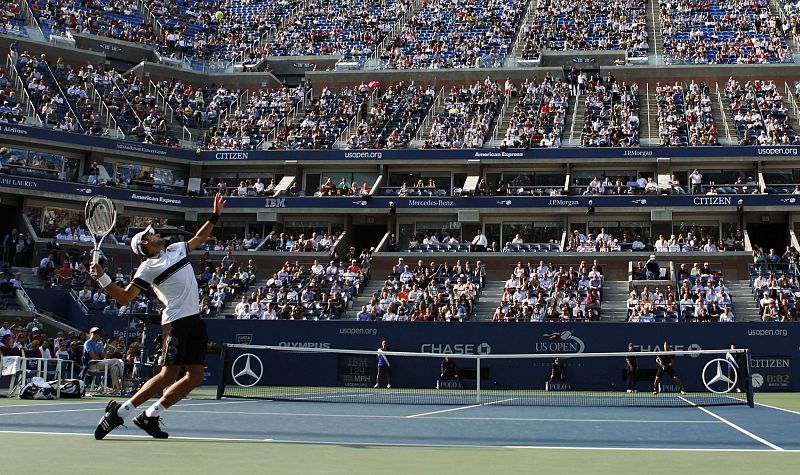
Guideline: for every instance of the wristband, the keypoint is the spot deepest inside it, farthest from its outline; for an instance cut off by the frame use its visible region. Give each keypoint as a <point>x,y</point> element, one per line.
<point>104,280</point>
<point>213,218</point>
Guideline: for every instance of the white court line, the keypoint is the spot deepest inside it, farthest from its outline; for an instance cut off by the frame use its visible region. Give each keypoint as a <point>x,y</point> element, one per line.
<point>444,410</point>
<point>734,426</point>
<point>778,408</point>
<point>28,413</point>
<point>2,414</point>
<point>449,418</point>
<point>37,403</point>
<point>386,444</point>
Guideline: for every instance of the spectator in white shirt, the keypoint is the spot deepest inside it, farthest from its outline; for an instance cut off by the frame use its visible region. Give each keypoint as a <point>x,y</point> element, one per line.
<point>479,242</point>
<point>696,180</point>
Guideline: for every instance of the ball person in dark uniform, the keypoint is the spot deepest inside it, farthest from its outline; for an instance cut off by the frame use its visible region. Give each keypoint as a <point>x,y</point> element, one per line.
<point>665,365</point>
<point>448,370</point>
<point>557,371</point>
<point>631,368</point>
<point>166,270</point>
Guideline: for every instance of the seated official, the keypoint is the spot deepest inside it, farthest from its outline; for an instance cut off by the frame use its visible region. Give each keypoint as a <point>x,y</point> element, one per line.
<point>97,360</point>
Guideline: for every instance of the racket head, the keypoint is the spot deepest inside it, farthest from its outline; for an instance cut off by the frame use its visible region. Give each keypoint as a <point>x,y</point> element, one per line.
<point>101,216</point>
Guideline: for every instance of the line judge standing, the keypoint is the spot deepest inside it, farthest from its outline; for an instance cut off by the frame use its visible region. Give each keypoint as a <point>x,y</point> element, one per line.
<point>384,368</point>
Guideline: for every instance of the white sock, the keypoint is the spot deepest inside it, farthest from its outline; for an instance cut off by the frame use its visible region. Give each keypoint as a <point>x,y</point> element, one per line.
<point>155,410</point>
<point>125,409</point>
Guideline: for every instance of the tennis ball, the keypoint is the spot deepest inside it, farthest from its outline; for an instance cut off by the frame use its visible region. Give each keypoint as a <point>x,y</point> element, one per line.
<point>219,15</point>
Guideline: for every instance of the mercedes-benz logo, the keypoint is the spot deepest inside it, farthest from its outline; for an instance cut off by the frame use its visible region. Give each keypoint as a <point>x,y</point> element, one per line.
<point>249,372</point>
<point>717,376</point>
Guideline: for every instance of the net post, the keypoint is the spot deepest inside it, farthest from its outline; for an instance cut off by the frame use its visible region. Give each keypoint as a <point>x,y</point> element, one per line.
<point>223,369</point>
<point>478,380</point>
<point>750,398</point>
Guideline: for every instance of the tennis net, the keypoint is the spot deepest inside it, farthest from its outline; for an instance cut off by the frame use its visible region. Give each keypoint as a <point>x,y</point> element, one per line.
<point>707,377</point>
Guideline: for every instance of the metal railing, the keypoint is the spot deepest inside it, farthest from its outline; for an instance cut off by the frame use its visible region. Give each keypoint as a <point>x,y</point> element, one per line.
<point>500,116</point>
<point>105,111</point>
<point>352,124</point>
<point>19,84</point>
<point>724,116</point>
<point>430,116</point>
<point>66,99</point>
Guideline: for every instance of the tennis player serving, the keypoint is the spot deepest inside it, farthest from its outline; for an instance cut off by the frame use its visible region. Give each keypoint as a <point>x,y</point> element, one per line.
<point>166,270</point>
<point>665,366</point>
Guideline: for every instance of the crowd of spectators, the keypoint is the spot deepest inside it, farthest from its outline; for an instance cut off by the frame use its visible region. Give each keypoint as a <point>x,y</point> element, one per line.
<point>538,116</point>
<point>560,25</point>
<point>775,285</point>
<point>427,292</point>
<point>118,19</point>
<point>54,109</point>
<point>612,113</point>
<point>315,242</point>
<point>194,31</point>
<point>197,107</point>
<point>12,21</point>
<point>133,106</point>
<point>239,187</point>
<point>684,116</point>
<point>551,293</point>
<point>759,113</point>
<point>393,122</point>
<point>461,34</point>
<point>467,116</point>
<point>300,292</point>
<point>324,119</point>
<point>246,127</point>
<point>349,28</point>
<point>702,296</point>
<point>10,110</point>
<point>722,32</point>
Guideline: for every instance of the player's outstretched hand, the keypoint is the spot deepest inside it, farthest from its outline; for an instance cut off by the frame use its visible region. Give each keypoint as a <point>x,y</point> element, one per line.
<point>219,203</point>
<point>96,270</point>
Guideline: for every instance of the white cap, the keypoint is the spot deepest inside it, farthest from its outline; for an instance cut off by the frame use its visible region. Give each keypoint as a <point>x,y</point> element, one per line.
<point>136,241</point>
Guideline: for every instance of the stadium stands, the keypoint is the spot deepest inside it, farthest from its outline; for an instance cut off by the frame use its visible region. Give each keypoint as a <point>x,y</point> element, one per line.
<point>348,28</point>
<point>539,114</point>
<point>721,32</point>
<point>467,116</point>
<point>546,293</point>
<point>612,113</point>
<point>393,122</point>
<point>247,125</point>
<point>563,25</point>
<point>463,34</point>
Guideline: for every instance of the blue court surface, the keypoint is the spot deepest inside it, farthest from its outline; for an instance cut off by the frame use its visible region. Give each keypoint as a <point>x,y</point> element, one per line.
<point>730,428</point>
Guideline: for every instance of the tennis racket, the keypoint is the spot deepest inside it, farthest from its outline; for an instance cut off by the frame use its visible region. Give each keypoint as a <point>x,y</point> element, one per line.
<point>101,216</point>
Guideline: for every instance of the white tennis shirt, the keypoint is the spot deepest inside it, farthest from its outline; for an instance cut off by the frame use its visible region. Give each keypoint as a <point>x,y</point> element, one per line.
<point>171,277</point>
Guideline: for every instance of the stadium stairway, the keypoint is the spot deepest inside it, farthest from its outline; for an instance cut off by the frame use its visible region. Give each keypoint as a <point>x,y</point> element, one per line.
<point>651,138</point>
<point>574,122</point>
<point>613,306</point>
<point>745,308</point>
<point>490,296</point>
<point>654,33</point>
<point>374,286</point>
<point>503,121</point>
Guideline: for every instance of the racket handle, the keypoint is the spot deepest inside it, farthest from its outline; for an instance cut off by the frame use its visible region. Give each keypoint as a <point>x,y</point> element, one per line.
<point>95,256</point>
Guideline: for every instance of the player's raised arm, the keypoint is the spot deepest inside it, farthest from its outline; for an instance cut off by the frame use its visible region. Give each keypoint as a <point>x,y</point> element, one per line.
<point>205,231</point>
<point>122,296</point>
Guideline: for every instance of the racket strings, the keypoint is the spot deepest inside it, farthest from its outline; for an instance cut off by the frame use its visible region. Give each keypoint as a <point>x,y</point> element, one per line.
<point>100,217</point>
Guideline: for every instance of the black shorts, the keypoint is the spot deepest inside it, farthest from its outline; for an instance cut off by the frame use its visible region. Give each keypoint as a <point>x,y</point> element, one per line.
<point>187,342</point>
<point>670,371</point>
